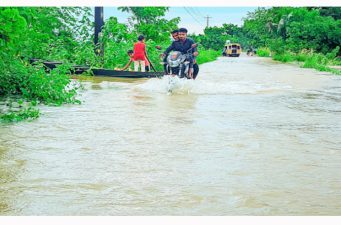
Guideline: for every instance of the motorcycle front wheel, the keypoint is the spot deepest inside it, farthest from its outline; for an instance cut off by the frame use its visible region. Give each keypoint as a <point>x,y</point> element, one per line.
<point>184,72</point>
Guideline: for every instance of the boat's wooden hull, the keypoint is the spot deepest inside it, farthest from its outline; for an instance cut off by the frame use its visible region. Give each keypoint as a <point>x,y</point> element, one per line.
<point>127,74</point>
<point>103,72</point>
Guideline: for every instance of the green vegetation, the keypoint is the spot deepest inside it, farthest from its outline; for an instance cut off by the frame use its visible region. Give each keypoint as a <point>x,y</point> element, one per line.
<point>309,35</point>
<point>118,38</point>
<point>207,56</point>
<point>310,59</point>
<point>24,114</point>
<point>215,37</point>
<point>285,33</point>
<point>46,33</point>
<point>263,52</point>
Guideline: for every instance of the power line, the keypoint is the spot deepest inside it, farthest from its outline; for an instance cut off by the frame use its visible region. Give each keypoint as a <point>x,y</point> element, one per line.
<point>199,12</point>
<point>192,16</point>
<point>195,13</point>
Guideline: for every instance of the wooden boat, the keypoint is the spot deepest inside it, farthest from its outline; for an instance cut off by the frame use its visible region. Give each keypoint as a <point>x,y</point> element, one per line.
<point>102,72</point>
<point>127,74</point>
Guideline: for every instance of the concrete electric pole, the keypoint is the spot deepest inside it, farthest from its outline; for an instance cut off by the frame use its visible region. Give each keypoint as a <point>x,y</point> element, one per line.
<point>207,20</point>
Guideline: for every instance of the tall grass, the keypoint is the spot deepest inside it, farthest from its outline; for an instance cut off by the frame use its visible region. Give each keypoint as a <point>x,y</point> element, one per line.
<point>310,59</point>
<point>285,57</point>
<point>207,56</point>
<point>263,52</point>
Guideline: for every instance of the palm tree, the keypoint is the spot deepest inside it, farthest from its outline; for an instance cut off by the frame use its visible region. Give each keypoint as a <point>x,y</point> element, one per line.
<point>283,25</point>
<point>270,25</point>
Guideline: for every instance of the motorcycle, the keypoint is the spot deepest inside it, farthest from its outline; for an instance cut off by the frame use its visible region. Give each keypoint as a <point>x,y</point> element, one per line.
<point>251,52</point>
<point>177,63</point>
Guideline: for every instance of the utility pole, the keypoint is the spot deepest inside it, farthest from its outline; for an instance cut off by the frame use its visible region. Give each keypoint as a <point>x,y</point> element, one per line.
<point>207,20</point>
<point>98,28</point>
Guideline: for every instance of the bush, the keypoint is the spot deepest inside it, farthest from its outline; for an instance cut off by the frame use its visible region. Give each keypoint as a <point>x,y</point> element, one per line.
<point>207,56</point>
<point>310,59</point>
<point>319,62</point>
<point>332,55</point>
<point>285,57</point>
<point>33,84</point>
<point>13,73</point>
<point>263,52</point>
<point>23,114</point>
<point>52,88</point>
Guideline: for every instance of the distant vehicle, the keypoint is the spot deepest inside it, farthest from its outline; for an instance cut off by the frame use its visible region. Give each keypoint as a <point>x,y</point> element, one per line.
<point>232,49</point>
<point>251,51</point>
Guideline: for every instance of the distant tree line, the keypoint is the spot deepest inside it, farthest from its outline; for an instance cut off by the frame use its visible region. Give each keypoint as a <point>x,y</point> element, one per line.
<point>281,29</point>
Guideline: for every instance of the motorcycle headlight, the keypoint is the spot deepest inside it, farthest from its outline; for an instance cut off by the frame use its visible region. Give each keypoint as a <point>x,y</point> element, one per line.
<point>174,63</point>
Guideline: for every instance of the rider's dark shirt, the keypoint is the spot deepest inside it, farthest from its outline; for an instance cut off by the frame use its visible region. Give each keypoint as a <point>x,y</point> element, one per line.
<point>182,47</point>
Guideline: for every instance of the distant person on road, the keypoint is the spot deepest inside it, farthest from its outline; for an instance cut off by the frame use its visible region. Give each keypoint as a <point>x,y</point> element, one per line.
<point>224,51</point>
<point>250,51</point>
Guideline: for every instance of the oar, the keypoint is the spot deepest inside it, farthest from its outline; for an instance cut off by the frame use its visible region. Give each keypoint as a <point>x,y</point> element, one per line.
<point>151,65</point>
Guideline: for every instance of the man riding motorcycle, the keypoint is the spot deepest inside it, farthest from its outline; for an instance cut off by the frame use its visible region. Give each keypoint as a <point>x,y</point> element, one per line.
<point>183,45</point>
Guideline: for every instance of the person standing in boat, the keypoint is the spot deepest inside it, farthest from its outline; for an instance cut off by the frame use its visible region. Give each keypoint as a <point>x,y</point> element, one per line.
<point>140,54</point>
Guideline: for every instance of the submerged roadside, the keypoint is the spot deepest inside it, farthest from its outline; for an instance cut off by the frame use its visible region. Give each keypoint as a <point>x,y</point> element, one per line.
<point>23,87</point>
<point>307,59</point>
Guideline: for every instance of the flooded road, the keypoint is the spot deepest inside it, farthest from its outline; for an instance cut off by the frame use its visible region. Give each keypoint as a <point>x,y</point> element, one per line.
<point>249,137</point>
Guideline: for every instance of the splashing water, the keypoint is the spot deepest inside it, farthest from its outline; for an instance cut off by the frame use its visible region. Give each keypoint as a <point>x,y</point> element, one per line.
<point>169,85</point>
<point>176,85</point>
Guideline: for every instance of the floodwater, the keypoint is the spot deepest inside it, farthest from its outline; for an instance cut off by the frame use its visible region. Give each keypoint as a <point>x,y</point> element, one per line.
<point>249,137</point>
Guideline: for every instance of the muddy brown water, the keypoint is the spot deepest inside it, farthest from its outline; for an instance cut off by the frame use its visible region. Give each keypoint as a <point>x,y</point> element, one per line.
<point>249,137</point>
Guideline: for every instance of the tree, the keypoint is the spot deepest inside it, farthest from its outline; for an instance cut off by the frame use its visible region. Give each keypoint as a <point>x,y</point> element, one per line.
<point>150,22</point>
<point>334,12</point>
<point>145,14</point>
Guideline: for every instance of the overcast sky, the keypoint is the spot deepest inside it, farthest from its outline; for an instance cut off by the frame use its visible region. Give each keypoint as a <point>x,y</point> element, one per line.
<point>192,18</point>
